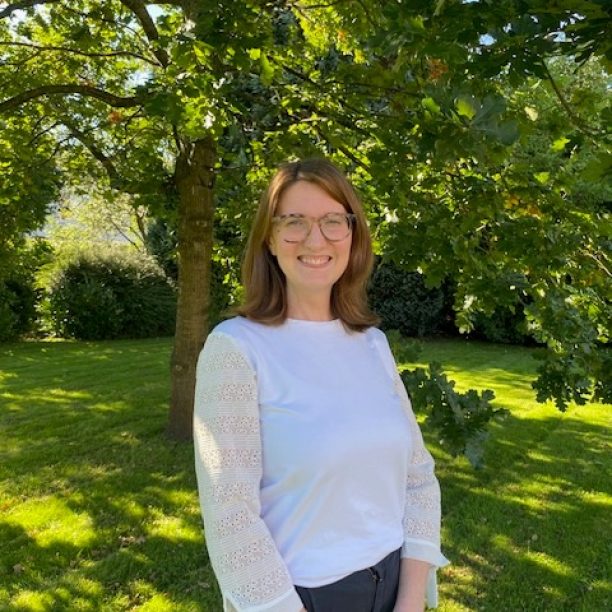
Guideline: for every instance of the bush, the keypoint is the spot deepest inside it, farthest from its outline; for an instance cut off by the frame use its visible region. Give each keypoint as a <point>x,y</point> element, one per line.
<point>503,326</point>
<point>106,298</point>
<point>403,302</point>
<point>18,299</point>
<point>19,295</point>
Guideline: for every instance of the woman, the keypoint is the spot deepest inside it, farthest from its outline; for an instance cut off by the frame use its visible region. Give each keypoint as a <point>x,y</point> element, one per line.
<point>316,490</point>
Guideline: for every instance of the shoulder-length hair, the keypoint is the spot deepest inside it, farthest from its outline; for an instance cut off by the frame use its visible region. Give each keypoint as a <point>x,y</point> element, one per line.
<point>263,280</point>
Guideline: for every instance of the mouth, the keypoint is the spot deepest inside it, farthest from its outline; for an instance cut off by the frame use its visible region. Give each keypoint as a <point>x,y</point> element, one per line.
<point>313,261</point>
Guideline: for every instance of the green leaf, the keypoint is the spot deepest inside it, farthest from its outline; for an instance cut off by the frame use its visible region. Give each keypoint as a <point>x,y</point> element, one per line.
<point>430,105</point>
<point>559,144</point>
<point>267,72</point>
<point>202,51</point>
<point>598,168</point>
<point>466,106</point>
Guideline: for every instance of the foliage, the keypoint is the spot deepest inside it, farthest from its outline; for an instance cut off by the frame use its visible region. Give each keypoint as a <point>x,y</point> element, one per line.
<point>89,215</point>
<point>459,419</point>
<point>161,242</point>
<point>17,307</point>
<point>104,298</point>
<point>29,181</point>
<point>504,325</point>
<point>415,99</point>
<point>403,302</point>
<point>19,294</point>
<point>533,232</point>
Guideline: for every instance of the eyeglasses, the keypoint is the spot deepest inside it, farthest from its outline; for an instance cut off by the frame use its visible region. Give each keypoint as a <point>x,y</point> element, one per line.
<point>296,228</point>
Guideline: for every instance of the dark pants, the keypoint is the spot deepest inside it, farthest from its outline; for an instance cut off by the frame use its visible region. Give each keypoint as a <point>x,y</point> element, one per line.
<point>373,589</point>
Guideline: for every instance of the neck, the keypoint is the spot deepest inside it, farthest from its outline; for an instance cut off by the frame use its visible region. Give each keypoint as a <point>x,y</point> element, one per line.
<point>314,307</point>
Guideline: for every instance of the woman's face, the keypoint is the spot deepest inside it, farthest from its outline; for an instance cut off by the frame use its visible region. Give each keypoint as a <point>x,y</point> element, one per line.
<point>315,264</point>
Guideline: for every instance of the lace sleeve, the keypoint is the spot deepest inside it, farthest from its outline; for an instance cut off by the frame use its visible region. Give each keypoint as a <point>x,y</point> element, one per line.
<point>250,571</point>
<point>422,510</point>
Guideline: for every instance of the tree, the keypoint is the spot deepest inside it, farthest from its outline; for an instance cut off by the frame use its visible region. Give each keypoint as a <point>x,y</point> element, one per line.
<point>195,98</point>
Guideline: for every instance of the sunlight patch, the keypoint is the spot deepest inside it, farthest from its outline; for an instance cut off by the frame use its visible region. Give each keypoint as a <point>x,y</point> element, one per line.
<point>50,521</point>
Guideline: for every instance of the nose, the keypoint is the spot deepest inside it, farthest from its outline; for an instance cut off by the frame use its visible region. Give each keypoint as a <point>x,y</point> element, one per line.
<point>315,237</point>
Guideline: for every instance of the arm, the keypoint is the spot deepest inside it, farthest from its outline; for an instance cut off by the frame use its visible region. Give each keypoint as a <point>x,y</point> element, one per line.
<point>250,571</point>
<point>421,550</point>
<point>412,586</point>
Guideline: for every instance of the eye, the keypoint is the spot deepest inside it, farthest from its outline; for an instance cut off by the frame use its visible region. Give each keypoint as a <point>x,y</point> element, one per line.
<point>334,220</point>
<point>294,222</point>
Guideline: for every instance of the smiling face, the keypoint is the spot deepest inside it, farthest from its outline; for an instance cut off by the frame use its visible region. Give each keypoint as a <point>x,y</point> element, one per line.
<point>311,267</point>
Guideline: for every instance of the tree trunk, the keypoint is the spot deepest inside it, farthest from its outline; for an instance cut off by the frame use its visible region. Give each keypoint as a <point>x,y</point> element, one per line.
<point>194,177</point>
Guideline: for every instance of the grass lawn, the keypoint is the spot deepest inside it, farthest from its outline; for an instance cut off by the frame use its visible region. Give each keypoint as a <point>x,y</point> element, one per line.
<point>98,511</point>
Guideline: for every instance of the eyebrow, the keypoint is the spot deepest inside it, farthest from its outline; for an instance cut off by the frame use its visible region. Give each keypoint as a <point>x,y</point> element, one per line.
<point>331,212</point>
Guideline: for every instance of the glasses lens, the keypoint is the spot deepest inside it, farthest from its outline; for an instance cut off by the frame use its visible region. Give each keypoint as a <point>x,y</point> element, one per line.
<point>335,226</point>
<point>294,229</point>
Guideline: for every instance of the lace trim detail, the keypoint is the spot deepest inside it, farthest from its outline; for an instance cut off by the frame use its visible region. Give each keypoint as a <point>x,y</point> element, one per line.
<point>232,457</point>
<point>426,500</point>
<point>234,424</point>
<point>233,523</point>
<point>230,392</point>
<point>261,590</point>
<point>223,492</point>
<point>228,460</point>
<point>420,528</point>
<point>414,481</point>
<point>225,360</point>
<point>246,555</point>
<point>420,455</point>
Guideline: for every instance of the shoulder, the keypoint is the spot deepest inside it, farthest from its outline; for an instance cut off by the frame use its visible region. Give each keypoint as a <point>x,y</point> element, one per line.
<point>376,334</point>
<point>378,339</point>
<point>239,328</point>
<point>238,336</point>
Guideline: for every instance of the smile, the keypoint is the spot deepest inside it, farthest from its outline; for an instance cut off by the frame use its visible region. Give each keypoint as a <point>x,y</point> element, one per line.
<point>315,262</point>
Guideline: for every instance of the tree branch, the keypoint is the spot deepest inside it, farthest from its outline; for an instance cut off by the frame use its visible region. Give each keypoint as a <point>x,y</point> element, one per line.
<point>24,4</point>
<point>342,148</point>
<point>317,6</point>
<point>22,61</point>
<point>120,231</point>
<point>84,90</point>
<point>106,162</point>
<point>148,25</point>
<point>77,51</point>
<point>576,120</point>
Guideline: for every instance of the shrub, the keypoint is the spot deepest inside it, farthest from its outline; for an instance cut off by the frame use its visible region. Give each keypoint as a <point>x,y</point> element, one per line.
<point>18,299</point>
<point>19,295</point>
<point>104,298</point>
<point>503,326</point>
<point>403,302</point>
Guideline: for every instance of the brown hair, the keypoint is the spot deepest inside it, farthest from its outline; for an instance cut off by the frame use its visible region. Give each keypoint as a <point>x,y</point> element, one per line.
<point>264,281</point>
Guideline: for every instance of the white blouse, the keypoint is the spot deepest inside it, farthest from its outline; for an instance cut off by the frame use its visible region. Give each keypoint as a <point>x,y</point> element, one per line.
<point>309,460</point>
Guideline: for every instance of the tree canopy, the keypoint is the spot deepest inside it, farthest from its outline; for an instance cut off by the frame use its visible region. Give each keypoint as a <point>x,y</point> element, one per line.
<point>432,108</point>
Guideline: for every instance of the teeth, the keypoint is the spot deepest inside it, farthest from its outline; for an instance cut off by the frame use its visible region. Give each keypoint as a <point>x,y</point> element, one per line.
<point>315,260</point>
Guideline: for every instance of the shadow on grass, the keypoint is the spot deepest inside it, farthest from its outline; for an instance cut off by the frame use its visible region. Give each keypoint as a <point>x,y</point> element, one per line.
<point>525,533</point>
<point>100,510</point>
<point>99,507</point>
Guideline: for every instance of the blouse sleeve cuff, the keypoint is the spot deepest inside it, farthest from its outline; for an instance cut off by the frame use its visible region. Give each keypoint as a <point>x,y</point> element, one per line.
<point>289,602</point>
<point>422,550</point>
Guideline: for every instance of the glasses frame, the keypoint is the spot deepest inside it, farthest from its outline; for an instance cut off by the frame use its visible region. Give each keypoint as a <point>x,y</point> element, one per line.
<point>350,217</point>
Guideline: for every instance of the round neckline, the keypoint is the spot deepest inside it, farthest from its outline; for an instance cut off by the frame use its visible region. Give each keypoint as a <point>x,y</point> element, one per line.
<point>309,322</point>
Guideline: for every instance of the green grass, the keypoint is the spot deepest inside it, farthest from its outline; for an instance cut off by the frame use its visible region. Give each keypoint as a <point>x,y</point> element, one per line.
<point>98,511</point>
